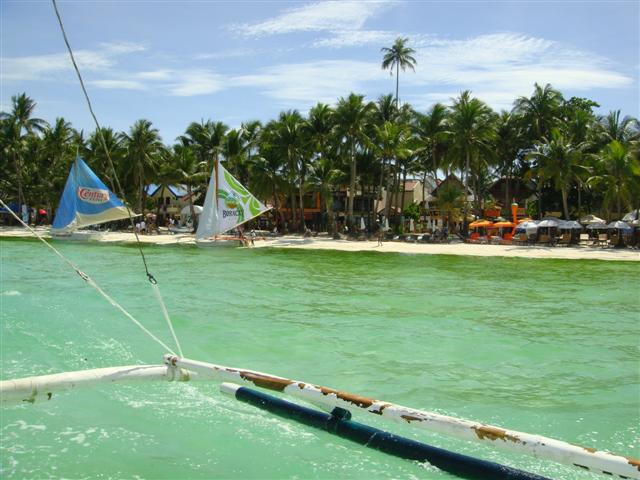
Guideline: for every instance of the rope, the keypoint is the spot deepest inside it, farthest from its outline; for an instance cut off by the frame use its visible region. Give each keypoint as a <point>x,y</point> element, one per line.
<point>150,276</point>
<point>87,279</point>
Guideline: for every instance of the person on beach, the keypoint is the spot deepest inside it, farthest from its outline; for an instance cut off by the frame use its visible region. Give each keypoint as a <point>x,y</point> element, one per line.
<point>252,237</point>
<point>380,234</point>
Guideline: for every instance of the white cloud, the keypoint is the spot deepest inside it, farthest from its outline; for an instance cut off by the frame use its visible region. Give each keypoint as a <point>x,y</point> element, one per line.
<point>42,67</point>
<point>356,38</point>
<point>190,83</point>
<point>304,83</point>
<point>500,67</point>
<point>162,74</point>
<point>321,16</point>
<point>118,84</point>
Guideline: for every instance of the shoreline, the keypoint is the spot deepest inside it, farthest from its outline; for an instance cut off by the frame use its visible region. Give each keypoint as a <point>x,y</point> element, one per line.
<point>326,243</point>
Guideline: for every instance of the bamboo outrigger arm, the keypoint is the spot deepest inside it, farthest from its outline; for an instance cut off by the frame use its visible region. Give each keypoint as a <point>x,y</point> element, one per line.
<point>32,389</point>
<point>519,442</point>
<point>36,389</point>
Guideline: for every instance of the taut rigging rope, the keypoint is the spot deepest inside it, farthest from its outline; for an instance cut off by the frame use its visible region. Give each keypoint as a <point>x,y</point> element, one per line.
<point>100,134</point>
<point>87,278</point>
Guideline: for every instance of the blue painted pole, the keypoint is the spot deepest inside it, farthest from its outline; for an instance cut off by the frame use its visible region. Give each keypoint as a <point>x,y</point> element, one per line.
<point>339,423</point>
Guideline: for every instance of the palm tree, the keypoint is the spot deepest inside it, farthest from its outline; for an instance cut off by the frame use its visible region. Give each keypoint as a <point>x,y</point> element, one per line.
<point>541,111</point>
<point>55,143</point>
<point>105,144</point>
<point>351,122</point>
<point>619,176</point>
<point>143,149</point>
<point>21,124</point>
<point>399,56</point>
<point>325,176</point>
<point>471,123</point>
<point>611,128</point>
<point>431,132</point>
<point>559,161</point>
<point>450,201</point>
<point>186,169</point>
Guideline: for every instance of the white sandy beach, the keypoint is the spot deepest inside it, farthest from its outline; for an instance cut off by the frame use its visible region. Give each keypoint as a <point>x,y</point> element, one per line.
<point>324,243</point>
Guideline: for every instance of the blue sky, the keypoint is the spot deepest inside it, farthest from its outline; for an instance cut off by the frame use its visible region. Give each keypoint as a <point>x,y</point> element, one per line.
<point>176,62</point>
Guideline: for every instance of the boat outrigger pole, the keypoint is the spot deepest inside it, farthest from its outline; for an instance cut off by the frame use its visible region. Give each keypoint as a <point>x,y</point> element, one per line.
<point>328,398</point>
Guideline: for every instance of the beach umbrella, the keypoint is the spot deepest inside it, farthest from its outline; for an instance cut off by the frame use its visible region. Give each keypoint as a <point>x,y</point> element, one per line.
<point>186,211</point>
<point>631,216</point>
<point>412,227</point>
<point>570,225</point>
<point>549,222</point>
<point>620,225</point>
<point>480,223</point>
<point>590,219</point>
<point>551,217</point>
<point>504,224</point>
<point>597,226</point>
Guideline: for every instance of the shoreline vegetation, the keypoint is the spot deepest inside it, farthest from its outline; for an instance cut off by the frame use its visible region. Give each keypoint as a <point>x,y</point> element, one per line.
<point>550,155</point>
<point>324,242</point>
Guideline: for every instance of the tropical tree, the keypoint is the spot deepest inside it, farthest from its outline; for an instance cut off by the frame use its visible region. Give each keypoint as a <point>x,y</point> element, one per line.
<point>20,124</point>
<point>611,127</point>
<point>351,123</point>
<point>559,161</point>
<point>399,56</point>
<point>185,168</point>
<point>618,177</point>
<point>541,111</point>
<point>471,123</point>
<point>325,177</point>
<point>143,150</point>
<point>431,132</point>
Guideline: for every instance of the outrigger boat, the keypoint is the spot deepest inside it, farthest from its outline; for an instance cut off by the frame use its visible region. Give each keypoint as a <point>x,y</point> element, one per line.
<point>240,383</point>
<point>227,206</point>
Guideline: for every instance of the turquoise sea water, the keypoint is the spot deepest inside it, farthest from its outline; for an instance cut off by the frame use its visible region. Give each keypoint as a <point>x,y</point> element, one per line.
<point>541,346</point>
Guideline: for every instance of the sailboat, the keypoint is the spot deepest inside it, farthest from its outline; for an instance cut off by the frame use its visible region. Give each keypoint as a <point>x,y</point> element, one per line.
<point>227,205</point>
<point>85,201</point>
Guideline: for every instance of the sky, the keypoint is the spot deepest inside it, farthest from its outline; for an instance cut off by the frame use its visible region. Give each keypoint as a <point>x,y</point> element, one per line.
<point>175,62</point>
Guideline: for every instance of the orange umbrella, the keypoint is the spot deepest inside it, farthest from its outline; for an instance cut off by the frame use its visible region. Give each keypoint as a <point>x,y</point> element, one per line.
<point>504,224</point>
<point>480,223</point>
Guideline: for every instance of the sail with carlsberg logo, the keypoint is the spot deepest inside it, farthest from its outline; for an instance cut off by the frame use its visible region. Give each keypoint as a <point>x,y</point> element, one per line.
<point>227,205</point>
<point>85,201</point>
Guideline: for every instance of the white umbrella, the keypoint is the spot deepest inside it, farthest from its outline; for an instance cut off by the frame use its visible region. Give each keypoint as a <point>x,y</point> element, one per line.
<point>570,225</point>
<point>186,211</point>
<point>549,222</point>
<point>619,225</point>
<point>597,226</point>
<point>412,227</point>
<point>631,216</point>
<point>590,219</point>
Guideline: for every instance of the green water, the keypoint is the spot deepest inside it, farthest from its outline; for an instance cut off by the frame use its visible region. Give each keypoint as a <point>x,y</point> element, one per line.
<point>542,346</point>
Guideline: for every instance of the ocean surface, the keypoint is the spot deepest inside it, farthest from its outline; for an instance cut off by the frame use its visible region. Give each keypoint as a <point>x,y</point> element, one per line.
<point>541,346</point>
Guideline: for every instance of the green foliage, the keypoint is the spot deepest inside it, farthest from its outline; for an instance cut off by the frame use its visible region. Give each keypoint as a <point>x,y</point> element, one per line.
<point>412,211</point>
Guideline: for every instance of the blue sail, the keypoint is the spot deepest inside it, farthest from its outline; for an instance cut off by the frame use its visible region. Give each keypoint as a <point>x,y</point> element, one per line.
<point>86,201</point>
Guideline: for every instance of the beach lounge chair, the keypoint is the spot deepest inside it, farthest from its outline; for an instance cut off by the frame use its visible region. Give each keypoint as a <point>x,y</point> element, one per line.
<point>585,240</point>
<point>564,240</point>
<point>603,240</point>
<point>544,239</point>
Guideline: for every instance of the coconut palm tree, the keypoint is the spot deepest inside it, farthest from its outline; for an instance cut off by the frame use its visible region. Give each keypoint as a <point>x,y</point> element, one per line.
<point>559,161</point>
<point>472,127</point>
<point>325,177</point>
<point>351,115</point>
<point>21,124</point>
<point>143,150</point>
<point>541,111</point>
<point>618,176</point>
<point>611,127</point>
<point>185,168</point>
<point>430,135</point>
<point>399,56</point>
